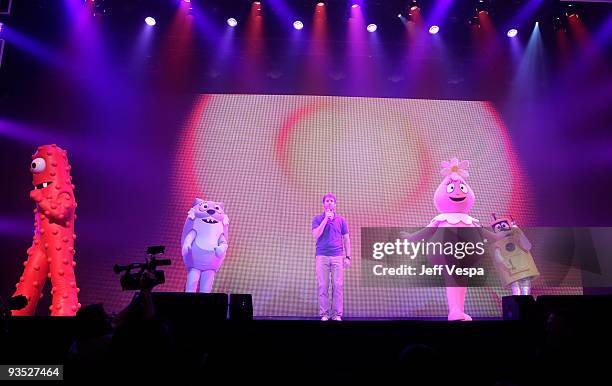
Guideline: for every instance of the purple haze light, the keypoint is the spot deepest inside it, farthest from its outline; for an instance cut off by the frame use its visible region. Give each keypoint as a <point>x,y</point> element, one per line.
<point>512,32</point>
<point>150,21</point>
<point>434,29</point>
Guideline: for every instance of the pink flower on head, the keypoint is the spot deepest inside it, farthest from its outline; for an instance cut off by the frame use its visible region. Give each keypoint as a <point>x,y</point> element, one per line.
<point>455,169</point>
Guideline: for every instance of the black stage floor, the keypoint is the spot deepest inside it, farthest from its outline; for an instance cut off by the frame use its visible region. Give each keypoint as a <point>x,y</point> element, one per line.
<point>438,352</point>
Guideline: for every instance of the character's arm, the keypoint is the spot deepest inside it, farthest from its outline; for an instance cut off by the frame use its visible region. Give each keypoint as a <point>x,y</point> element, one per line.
<point>523,240</point>
<point>501,260</point>
<point>58,209</point>
<point>221,248</point>
<point>186,247</point>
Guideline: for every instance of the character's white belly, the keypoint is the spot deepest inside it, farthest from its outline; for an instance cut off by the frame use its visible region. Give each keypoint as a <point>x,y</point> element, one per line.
<point>207,235</point>
<point>202,255</point>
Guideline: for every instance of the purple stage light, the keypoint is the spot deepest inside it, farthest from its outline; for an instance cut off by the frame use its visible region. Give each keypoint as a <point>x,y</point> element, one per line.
<point>372,27</point>
<point>232,22</point>
<point>355,6</point>
<point>512,32</point>
<point>150,21</point>
<point>298,25</point>
<point>434,29</point>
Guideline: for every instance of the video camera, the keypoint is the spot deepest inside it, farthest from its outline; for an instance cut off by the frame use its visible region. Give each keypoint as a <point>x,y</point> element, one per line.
<point>147,276</point>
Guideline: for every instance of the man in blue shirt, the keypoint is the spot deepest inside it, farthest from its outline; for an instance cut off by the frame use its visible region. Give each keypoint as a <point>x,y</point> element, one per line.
<point>330,230</point>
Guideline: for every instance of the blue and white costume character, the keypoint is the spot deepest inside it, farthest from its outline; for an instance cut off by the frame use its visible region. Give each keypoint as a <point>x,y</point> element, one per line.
<point>204,244</point>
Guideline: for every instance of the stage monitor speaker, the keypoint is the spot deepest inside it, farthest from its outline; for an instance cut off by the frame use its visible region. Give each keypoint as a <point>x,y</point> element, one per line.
<point>240,307</point>
<point>583,307</point>
<point>190,308</point>
<point>519,308</point>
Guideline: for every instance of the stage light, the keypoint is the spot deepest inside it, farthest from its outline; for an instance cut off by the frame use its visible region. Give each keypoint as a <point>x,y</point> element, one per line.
<point>399,15</point>
<point>512,32</point>
<point>560,24</point>
<point>150,21</point>
<point>320,4</point>
<point>298,25</point>
<point>1,27</point>
<point>414,5</point>
<point>355,6</point>
<point>99,7</point>
<point>570,11</point>
<point>232,22</point>
<point>482,9</point>
<point>372,27</point>
<point>434,29</point>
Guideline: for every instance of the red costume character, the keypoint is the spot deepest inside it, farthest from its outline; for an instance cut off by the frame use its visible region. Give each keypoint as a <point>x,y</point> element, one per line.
<point>52,251</point>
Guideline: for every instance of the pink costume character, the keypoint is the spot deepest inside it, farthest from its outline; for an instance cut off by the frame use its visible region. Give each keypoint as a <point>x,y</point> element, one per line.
<point>454,198</point>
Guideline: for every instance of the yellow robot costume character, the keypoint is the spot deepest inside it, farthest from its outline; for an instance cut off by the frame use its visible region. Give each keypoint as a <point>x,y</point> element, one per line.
<point>512,256</point>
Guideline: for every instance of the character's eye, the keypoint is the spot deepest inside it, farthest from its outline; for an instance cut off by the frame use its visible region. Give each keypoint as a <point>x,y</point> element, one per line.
<point>450,188</point>
<point>497,226</point>
<point>463,188</point>
<point>205,206</point>
<point>504,225</point>
<point>217,207</point>
<point>38,165</point>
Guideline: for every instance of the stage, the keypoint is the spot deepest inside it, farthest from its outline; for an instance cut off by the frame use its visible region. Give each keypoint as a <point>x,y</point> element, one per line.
<point>479,352</point>
<point>258,167</point>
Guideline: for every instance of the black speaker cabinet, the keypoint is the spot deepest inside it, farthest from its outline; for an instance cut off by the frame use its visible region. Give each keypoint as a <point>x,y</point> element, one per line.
<point>190,308</point>
<point>519,308</point>
<point>240,307</point>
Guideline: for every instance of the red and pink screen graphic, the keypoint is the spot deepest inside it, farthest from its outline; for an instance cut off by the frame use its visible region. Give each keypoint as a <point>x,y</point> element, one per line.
<point>271,158</point>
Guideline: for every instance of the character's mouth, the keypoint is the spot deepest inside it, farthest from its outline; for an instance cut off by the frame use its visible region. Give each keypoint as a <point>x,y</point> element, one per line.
<point>43,185</point>
<point>209,220</point>
<point>457,199</point>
